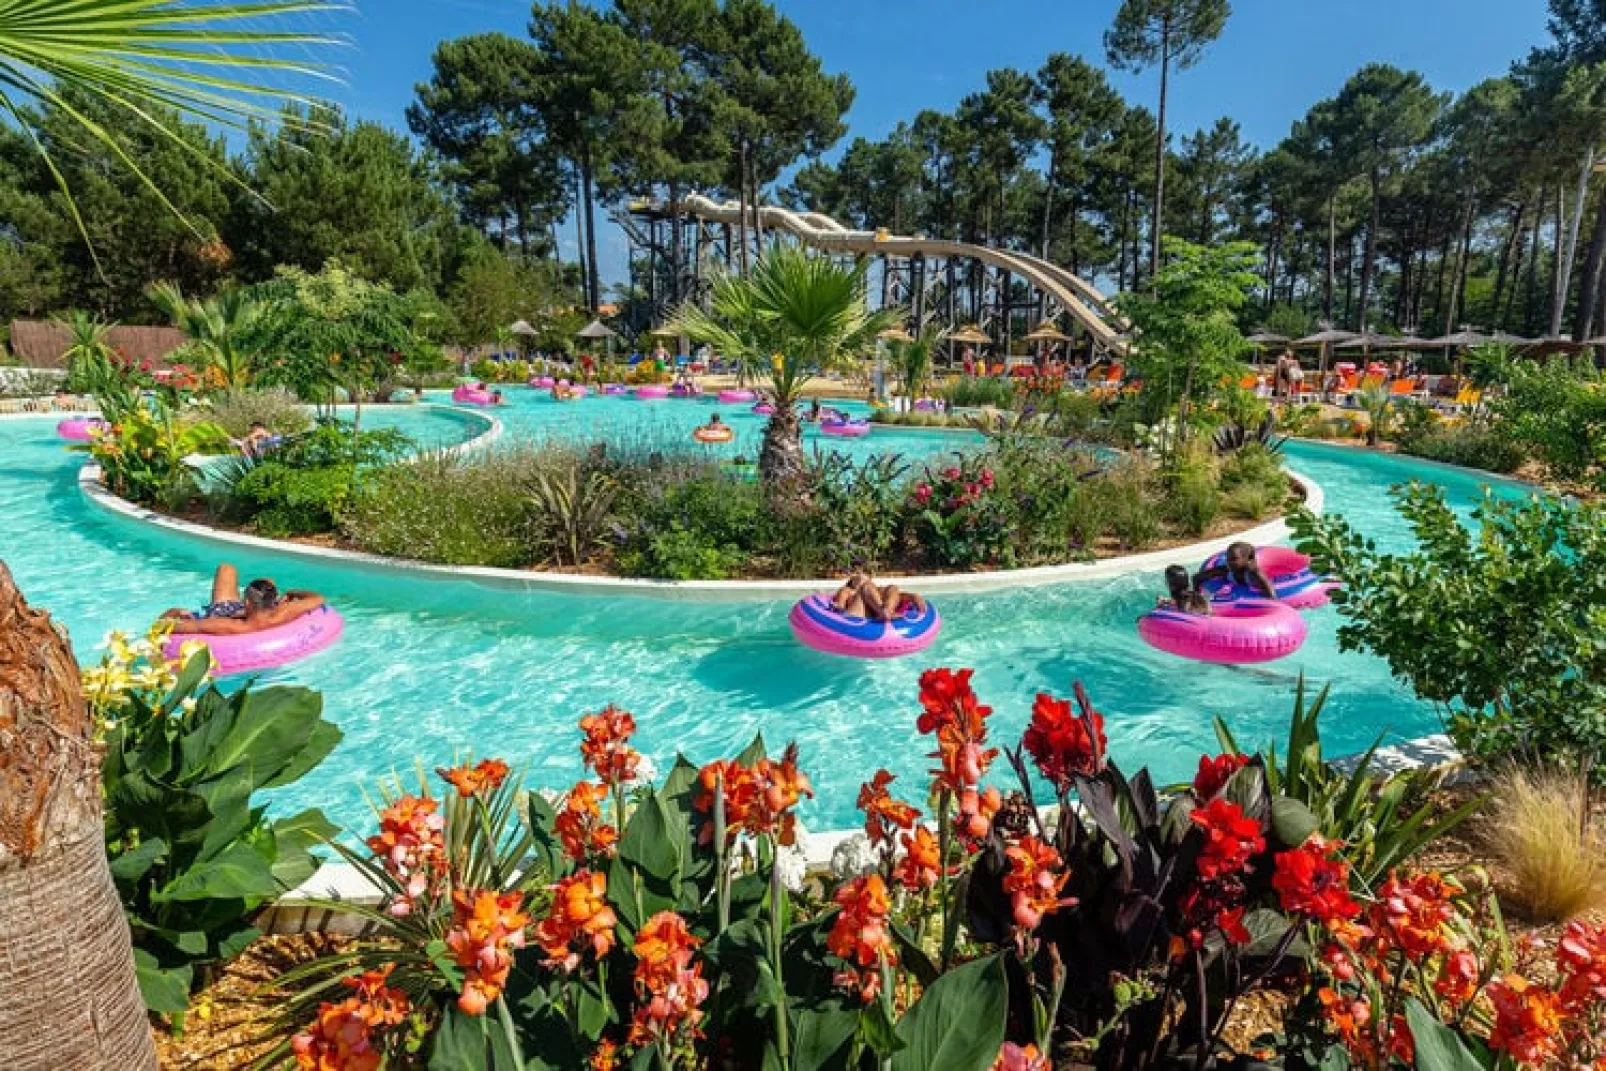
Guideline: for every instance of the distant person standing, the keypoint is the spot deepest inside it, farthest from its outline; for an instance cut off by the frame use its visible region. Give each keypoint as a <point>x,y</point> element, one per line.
<point>967,360</point>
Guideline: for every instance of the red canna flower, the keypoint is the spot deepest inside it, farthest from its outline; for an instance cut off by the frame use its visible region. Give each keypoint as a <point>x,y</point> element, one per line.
<point>487,928</point>
<point>1581,961</point>
<point>944,694</point>
<point>1214,773</point>
<point>1528,1020</point>
<point>409,848</point>
<point>921,862</point>
<point>1413,914</point>
<point>1231,839</point>
<point>861,936</point>
<point>1034,882</point>
<point>1230,921</point>
<point>605,1057</point>
<point>579,824</point>
<point>1459,978</point>
<point>341,1037</point>
<point>1312,881</point>
<point>606,747</point>
<point>476,780</point>
<point>579,920</point>
<point>960,724</point>
<point>882,813</point>
<point>1063,742</point>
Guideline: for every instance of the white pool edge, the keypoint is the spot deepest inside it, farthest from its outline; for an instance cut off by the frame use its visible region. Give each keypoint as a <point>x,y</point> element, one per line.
<point>695,591</point>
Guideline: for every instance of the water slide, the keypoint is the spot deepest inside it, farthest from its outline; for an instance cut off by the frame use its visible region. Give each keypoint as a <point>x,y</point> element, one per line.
<point>1072,293</point>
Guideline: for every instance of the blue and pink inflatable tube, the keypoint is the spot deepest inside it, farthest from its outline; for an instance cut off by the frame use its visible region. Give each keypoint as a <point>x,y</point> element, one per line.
<point>845,429</point>
<point>652,392</point>
<point>1289,572</point>
<point>736,397</point>
<point>470,396</point>
<point>1236,633</point>
<point>81,429</point>
<point>251,652</point>
<point>818,624</point>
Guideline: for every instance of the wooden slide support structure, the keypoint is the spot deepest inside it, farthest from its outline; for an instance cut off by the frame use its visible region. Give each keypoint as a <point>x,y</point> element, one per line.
<point>1073,294</point>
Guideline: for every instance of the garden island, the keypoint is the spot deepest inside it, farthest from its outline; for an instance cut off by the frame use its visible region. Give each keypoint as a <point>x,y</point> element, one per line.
<point>665,557</point>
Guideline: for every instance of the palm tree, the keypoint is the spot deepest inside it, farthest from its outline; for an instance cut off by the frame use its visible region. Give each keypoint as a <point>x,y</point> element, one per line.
<point>912,362</point>
<point>215,326</point>
<point>58,906</point>
<point>798,313</point>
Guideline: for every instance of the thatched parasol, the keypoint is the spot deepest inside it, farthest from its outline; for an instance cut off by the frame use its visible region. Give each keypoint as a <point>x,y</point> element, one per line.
<point>522,327</point>
<point>895,334</point>
<point>1268,338</point>
<point>971,335</point>
<point>1046,332</point>
<point>597,329</point>
<point>664,332</point>
<point>1464,337</point>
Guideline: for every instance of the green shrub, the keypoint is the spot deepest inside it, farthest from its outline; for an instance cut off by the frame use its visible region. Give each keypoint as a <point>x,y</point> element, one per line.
<point>1474,445</point>
<point>1052,508</point>
<point>1192,491</point>
<point>1253,484</point>
<point>284,501</point>
<point>958,517</point>
<point>447,510</point>
<point>677,554</point>
<point>976,391</point>
<point>277,408</point>
<point>1134,518</point>
<point>855,519</point>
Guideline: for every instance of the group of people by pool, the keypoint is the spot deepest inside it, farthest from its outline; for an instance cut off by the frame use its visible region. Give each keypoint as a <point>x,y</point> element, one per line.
<point>1238,567</point>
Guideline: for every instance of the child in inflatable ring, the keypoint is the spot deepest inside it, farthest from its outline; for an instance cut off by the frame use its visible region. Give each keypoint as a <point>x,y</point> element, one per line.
<point>1241,568</point>
<point>1184,596</point>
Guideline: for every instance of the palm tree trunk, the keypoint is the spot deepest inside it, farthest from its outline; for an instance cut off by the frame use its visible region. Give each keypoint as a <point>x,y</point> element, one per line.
<point>69,997</point>
<point>780,460</point>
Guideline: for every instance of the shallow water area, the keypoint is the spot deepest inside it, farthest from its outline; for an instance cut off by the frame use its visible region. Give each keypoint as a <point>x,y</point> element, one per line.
<point>429,671</point>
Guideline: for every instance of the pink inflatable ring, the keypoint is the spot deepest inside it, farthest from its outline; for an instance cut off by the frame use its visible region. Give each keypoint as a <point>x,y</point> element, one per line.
<point>764,409</point>
<point>845,429</point>
<point>818,624</point>
<point>250,652</point>
<point>736,397</point>
<point>81,429</point>
<point>1236,633</point>
<point>1290,575</point>
<point>470,396</point>
<point>652,392</point>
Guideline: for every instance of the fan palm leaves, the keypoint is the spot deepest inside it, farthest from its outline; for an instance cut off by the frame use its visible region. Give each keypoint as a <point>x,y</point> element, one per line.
<point>211,60</point>
<point>215,327</point>
<point>911,361</point>
<point>796,314</point>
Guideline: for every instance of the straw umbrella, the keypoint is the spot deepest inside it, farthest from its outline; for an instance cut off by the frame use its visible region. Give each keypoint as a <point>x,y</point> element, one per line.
<point>970,335</point>
<point>595,330</point>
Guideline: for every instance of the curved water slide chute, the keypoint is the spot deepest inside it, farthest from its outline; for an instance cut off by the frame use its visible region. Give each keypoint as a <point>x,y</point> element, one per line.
<point>1073,294</point>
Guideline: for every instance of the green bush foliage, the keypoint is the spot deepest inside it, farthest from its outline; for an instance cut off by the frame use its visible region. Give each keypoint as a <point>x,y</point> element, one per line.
<point>276,408</point>
<point>977,391</point>
<point>1500,622</point>
<point>447,510</point>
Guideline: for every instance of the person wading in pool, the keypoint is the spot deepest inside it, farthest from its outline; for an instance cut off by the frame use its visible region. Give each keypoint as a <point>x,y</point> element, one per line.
<point>231,613</point>
<point>1184,596</point>
<point>860,597</point>
<point>1238,568</point>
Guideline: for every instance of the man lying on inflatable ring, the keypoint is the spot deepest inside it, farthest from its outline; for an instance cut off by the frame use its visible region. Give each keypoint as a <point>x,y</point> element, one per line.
<point>231,613</point>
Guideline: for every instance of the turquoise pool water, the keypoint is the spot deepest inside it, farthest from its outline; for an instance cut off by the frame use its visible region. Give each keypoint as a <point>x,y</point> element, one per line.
<point>430,671</point>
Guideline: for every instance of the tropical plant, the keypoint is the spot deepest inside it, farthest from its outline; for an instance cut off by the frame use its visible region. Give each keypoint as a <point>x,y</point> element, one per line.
<point>797,314</point>
<point>1377,403</point>
<point>193,855</point>
<point>1497,624</point>
<point>216,328</point>
<point>958,516</point>
<point>911,361</point>
<point>144,456</point>
<point>572,508</point>
<point>1233,436</point>
<point>89,354</point>
<point>275,408</point>
<point>1359,808</point>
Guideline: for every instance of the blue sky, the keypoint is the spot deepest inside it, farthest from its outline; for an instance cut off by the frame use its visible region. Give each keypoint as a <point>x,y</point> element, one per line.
<point>1275,59</point>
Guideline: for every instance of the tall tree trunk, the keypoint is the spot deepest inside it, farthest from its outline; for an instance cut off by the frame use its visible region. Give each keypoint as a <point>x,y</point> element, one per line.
<point>1562,278</point>
<point>1458,276</point>
<point>580,233</point>
<point>69,998</point>
<point>1513,235</point>
<point>1589,287</point>
<point>1531,302</point>
<point>758,206</point>
<point>1369,257</point>
<point>1349,279</point>
<point>1272,250</point>
<point>593,276</point>
<point>1332,257</point>
<point>1157,224</point>
<point>741,210</point>
<point>676,295</point>
<point>1120,271</point>
<point>1048,196</point>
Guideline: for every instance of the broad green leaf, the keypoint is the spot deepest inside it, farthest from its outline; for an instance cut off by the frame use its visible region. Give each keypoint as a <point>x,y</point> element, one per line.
<point>238,872</point>
<point>274,725</point>
<point>649,845</point>
<point>823,1038</point>
<point>752,752</point>
<point>135,864</point>
<point>323,739</point>
<point>1292,821</point>
<point>228,798</point>
<point>1438,1047</point>
<point>294,838</point>
<point>165,991</point>
<point>957,1024</point>
<point>235,943</point>
<point>470,1043</point>
<point>877,1030</point>
<point>593,1010</point>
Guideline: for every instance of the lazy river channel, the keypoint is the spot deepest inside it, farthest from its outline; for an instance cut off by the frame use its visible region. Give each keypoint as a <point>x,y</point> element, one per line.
<point>431,671</point>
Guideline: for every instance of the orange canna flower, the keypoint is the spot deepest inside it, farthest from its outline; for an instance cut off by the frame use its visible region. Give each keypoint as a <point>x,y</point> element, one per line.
<point>1528,1020</point>
<point>860,934</point>
<point>486,929</point>
<point>976,812</point>
<point>341,1038</point>
<point>605,1057</point>
<point>664,947</point>
<point>1035,880</point>
<point>669,986</point>
<point>882,813</point>
<point>1413,914</point>
<point>487,776</point>
<point>606,747</point>
<point>758,799</point>
<point>1459,978</point>
<point>409,848</point>
<point>921,862</point>
<point>579,921</point>
<point>737,784</point>
<point>579,824</point>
